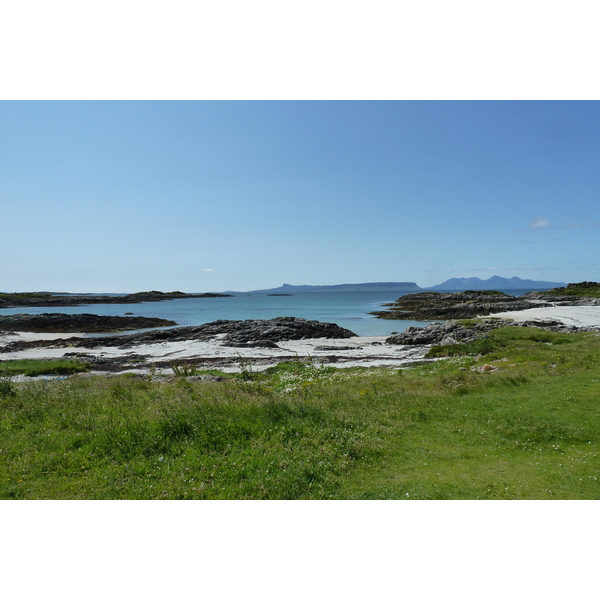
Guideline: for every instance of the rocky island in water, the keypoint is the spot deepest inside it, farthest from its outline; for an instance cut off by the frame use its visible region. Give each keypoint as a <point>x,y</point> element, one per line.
<point>433,306</point>
<point>36,299</point>
<point>78,323</point>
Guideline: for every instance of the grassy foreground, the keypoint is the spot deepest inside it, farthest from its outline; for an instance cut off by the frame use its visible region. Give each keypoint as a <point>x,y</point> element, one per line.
<point>523,421</point>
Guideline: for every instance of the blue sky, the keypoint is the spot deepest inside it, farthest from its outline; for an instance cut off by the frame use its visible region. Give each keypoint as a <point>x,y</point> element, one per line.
<point>210,195</point>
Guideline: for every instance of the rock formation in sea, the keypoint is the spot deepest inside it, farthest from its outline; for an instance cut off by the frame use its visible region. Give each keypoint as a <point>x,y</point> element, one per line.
<point>433,306</point>
<point>250,333</point>
<point>44,299</point>
<point>82,323</point>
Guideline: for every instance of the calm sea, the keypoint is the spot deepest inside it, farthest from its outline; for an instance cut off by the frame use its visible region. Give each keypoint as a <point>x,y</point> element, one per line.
<point>347,309</point>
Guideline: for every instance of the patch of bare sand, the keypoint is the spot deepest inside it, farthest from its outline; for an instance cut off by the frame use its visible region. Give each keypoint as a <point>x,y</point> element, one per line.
<point>352,352</point>
<point>582,317</point>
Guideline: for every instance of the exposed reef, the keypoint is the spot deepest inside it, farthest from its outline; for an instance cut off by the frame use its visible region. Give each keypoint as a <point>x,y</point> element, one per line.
<point>445,334</point>
<point>545,299</point>
<point>251,333</point>
<point>434,306</point>
<point>472,305</point>
<point>83,323</point>
<point>457,332</point>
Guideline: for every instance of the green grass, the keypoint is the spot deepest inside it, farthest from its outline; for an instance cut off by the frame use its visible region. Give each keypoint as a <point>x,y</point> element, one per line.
<point>584,288</point>
<point>530,430</point>
<point>516,338</point>
<point>33,368</point>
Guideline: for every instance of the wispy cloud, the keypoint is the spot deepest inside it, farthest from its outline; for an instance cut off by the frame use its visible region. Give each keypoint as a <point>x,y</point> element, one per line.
<point>539,224</point>
<point>207,270</point>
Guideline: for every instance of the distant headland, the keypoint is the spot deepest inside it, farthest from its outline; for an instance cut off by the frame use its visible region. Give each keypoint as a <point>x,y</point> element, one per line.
<point>287,289</point>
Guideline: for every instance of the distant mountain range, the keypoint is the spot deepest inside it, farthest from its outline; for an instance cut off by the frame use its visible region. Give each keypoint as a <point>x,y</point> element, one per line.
<point>495,283</point>
<point>454,284</point>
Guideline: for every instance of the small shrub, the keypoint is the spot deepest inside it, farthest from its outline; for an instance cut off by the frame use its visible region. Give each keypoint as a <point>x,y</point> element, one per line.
<point>7,387</point>
<point>183,369</point>
<point>246,373</point>
<point>481,346</point>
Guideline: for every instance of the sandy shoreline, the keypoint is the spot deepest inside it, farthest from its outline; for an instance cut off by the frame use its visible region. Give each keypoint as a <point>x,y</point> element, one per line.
<point>351,352</point>
<point>580,317</point>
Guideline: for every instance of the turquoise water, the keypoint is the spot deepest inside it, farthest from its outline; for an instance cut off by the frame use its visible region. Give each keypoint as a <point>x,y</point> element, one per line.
<point>347,309</point>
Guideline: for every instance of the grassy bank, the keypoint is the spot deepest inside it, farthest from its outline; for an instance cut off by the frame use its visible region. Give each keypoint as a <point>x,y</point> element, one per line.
<point>583,288</point>
<point>33,368</point>
<point>527,425</point>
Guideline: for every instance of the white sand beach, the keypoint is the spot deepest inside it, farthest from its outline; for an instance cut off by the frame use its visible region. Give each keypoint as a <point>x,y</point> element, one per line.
<point>352,352</point>
<point>573,316</point>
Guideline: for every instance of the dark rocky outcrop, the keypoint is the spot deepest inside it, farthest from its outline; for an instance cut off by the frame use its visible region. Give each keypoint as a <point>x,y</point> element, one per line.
<point>252,344</point>
<point>84,323</point>
<point>455,332</point>
<point>248,333</point>
<point>110,364</point>
<point>548,299</point>
<point>433,306</point>
<point>43,299</point>
<point>334,348</point>
<point>445,334</point>
<point>273,330</point>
